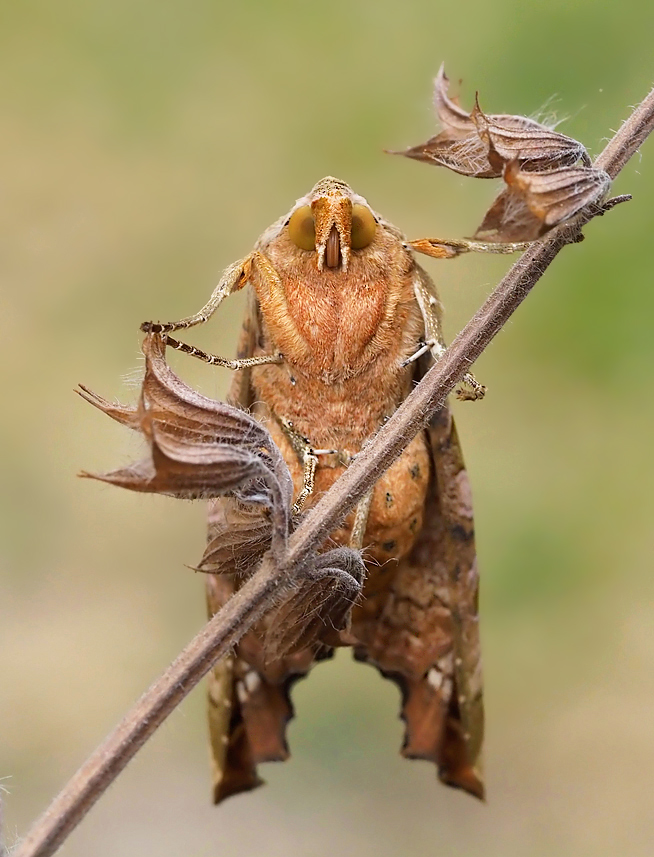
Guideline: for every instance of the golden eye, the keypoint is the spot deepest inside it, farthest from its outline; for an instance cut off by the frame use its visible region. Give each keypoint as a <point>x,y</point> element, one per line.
<point>302,228</point>
<point>364,227</point>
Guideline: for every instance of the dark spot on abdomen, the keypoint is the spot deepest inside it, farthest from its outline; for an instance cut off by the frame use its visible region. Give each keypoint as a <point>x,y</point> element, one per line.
<point>415,471</point>
<point>389,546</point>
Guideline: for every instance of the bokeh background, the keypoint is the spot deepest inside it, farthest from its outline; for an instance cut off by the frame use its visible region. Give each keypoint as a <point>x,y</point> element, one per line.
<point>144,146</point>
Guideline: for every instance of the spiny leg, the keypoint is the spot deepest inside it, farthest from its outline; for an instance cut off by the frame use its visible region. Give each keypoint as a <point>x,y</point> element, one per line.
<point>308,457</point>
<point>215,360</point>
<point>310,465</point>
<point>233,279</point>
<point>450,248</point>
<point>310,460</point>
<point>471,390</point>
<point>360,521</point>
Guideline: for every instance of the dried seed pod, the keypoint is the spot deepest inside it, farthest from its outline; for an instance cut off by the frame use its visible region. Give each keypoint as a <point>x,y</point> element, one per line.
<point>479,145</point>
<point>533,202</point>
<point>532,145</point>
<point>546,184</point>
<point>239,535</point>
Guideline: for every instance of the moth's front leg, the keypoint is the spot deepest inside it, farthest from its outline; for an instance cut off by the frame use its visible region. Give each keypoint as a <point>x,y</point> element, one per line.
<point>444,248</point>
<point>233,279</point>
<point>450,248</point>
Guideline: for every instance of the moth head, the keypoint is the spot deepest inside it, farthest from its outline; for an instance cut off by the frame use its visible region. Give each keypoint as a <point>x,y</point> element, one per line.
<point>332,221</point>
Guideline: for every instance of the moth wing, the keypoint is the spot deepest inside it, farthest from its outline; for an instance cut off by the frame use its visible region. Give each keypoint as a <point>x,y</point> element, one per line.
<point>232,767</point>
<point>453,539</point>
<point>240,390</point>
<point>419,626</point>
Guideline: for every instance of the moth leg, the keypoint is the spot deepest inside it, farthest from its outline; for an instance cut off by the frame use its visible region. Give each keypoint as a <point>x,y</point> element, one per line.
<point>308,458</point>
<point>450,248</point>
<point>470,390</point>
<point>360,521</point>
<point>431,310</point>
<point>233,279</point>
<point>215,360</point>
<point>423,348</point>
<point>310,462</point>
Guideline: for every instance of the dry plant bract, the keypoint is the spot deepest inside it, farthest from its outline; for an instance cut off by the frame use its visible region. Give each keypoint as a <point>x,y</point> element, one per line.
<point>548,176</point>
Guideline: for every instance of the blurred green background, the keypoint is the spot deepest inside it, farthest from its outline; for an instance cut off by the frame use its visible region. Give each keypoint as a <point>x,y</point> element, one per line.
<point>145,145</point>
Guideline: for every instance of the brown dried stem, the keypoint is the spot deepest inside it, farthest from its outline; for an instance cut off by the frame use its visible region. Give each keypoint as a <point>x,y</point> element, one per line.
<point>259,593</point>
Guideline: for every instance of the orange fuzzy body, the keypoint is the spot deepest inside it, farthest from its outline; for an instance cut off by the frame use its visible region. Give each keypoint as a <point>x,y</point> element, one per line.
<point>344,336</point>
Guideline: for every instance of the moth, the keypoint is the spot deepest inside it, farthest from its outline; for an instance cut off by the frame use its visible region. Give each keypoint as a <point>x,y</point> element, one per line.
<point>342,322</point>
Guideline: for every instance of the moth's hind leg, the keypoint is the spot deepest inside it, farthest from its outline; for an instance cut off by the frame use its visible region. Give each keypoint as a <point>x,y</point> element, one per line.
<point>310,462</point>
<point>233,279</point>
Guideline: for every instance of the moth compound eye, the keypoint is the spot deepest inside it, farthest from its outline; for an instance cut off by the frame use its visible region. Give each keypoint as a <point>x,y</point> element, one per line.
<point>302,228</point>
<point>364,227</point>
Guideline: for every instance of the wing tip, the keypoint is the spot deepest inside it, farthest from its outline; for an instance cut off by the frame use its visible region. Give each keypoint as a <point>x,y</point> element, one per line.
<point>235,784</point>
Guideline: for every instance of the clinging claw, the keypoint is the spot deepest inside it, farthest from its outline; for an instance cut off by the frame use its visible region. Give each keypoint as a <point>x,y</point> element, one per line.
<point>470,390</point>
